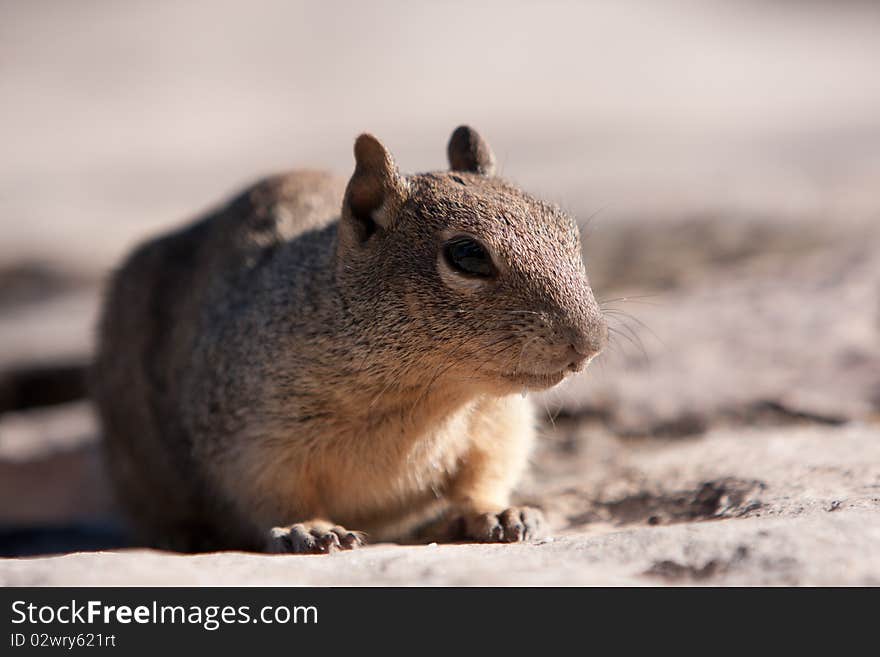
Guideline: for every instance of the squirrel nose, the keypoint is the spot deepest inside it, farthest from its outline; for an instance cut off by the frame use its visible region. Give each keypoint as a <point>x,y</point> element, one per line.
<point>583,346</point>
<point>577,359</point>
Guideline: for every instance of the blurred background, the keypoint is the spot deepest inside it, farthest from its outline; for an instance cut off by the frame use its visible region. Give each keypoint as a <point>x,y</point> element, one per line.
<point>723,159</point>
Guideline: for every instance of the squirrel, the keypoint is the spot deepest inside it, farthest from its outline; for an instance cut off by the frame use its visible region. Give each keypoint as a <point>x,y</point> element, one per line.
<point>317,364</point>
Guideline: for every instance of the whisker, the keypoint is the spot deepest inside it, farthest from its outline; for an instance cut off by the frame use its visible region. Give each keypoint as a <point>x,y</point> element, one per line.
<point>638,346</point>
<point>620,313</point>
<point>631,298</point>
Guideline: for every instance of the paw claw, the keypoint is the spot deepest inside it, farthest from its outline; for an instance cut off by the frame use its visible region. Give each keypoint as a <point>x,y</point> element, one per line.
<point>312,538</point>
<point>512,525</point>
<point>348,540</point>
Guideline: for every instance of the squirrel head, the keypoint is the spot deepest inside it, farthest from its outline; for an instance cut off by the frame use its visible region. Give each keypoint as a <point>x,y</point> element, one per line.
<point>462,275</point>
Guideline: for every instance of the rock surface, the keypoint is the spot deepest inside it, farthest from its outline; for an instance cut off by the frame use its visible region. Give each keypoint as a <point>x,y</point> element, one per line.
<point>798,507</point>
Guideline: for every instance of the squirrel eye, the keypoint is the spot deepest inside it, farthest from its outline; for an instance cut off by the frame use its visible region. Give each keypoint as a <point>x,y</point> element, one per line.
<point>468,257</point>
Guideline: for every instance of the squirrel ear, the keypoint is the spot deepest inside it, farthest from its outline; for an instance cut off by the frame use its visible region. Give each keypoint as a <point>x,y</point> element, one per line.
<point>376,190</point>
<point>469,152</point>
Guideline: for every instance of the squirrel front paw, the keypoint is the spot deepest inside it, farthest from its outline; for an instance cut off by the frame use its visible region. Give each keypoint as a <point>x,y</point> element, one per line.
<point>313,537</point>
<point>515,524</point>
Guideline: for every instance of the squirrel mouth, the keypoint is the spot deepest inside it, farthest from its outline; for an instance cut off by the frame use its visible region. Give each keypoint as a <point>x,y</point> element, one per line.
<point>535,381</point>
